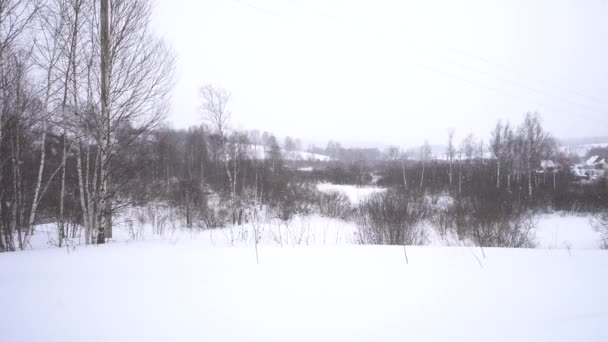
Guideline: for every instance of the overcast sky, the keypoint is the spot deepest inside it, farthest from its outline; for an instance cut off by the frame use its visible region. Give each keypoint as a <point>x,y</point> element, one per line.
<point>392,72</point>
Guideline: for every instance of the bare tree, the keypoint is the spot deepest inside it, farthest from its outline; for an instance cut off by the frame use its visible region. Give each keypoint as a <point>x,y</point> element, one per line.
<point>467,148</point>
<point>450,153</point>
<point>496,147</point>
<point>289,146</point>
<point>425,154</point>
<point>217,116</point>
<point>105,118</point>
<point>508,154</point>
<point>534,139</point>
<point>403,157</point>
<point>298,143</point>
<point>214,109</point>
<point>15,106</point>
<point>548,151</point>
<point>215,113</point>
<point>136,75</point>
<point>600,223</point>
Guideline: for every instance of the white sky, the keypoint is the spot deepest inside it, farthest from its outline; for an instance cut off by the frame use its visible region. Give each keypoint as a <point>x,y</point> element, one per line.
<point>392,72</point>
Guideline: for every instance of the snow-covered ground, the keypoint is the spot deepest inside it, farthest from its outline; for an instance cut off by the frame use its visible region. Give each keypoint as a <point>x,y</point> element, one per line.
<point>552,231</point>
<point>581,149</point>
<point>356,194</point>
<point>311,230</point>
<point>157,291</point>
<point>312,283</point>
<point>444,157</point>
<point>259,152</point>
<point>303,155</point>
<point>566,231</point>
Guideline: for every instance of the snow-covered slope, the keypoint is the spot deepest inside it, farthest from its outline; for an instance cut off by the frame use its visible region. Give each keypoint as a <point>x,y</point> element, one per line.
<point>258,151</point>
<point>582,149</point>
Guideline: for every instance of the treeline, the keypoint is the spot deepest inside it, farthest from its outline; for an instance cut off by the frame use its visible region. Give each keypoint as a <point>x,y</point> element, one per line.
<point>189,168</point>
<point>524,161</point>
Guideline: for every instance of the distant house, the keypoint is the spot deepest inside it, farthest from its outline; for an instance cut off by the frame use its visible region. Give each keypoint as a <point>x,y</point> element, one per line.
<point>593,168</point>
<point>548,164</point>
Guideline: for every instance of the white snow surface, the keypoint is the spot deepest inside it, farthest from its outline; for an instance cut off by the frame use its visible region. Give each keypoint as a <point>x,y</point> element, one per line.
<point>158,291</point>
<point>259,152</point>
<point>581,150</point>
<point>312,283</point>
<point>356,194</point>
<point>566,231</point>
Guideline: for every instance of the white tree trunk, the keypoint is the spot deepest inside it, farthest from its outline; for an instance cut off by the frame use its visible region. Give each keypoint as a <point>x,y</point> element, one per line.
<point>38,183</point>
<point>422,176</point>
<point>498,174</point>
<point>104,130</point>
<point>403,172</point>
<point>83,205</point>
<point>62,192</point>
<point>529,179</point>
<point>450,173</point>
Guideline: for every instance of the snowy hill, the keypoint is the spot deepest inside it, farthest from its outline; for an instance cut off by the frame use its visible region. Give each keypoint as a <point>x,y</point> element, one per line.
<point>259,152</point>
<point>582,149</point>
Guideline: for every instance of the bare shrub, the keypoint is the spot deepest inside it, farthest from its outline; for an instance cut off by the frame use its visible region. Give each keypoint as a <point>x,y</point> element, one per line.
<point>157,215</point>
<point>600,223</point>
<point>333,204</point>
<point>443,222</point>
<point>214,218</point>
<point>135,232</point>
<point>295,199</point>
<point>491,219</point>
<point>391,218</point>
<point>504,230</point>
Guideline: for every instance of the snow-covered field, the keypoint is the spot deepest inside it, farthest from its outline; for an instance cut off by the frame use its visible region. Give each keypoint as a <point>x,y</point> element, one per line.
<point>158,291</point>
<point>552,231</point>
<point>259,152</point>
<point>355,194</point>
<point>312,283</point>
<point>581,149</point>
<point>566,231</point>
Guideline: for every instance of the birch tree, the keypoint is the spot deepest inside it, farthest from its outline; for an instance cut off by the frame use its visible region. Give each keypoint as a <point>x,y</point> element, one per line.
<point>450,153</point>
<point>533,138</point>
<point>136,75</point>
<point>15,52</point>
<point>425,154</point>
